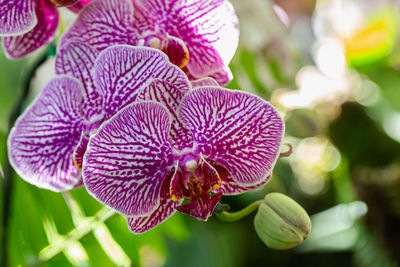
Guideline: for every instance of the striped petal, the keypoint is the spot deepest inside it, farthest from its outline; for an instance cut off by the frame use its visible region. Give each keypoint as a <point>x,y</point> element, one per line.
<point>47,22</point>
<point>220,76</point>
<point>237,130</point>
<point>143,21</point>
<point>77,60</point>
<point>121,72</point>
<point>78,5</point>
<point>166,209</point>
<point>128,159</point>
<point>103,23</point>
<point>229,186</point>
<point>170,95</point>
<point>17,16</point>
<point>207,81</point>
<point>44,137</point>
<point>209,29</point>
<point>80,150</point>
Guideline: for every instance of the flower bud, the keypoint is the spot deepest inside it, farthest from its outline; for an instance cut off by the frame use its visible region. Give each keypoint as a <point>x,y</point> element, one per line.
<point>281,223</point>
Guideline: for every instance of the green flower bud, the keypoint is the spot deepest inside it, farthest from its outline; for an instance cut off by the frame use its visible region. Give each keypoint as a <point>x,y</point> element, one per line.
<point>281,223</point>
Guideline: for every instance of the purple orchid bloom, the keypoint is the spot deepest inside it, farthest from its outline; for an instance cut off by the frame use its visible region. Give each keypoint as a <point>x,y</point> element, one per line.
<point>26,25</point>
<point>178,143</point>
<point>200,36</point>
<point>47,143</point>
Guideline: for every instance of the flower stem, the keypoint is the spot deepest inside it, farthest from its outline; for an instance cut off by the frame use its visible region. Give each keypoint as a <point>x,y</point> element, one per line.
<point>288,152</point>
<point>8,171</point>
<point>237,215</point>
<point>84,228</point>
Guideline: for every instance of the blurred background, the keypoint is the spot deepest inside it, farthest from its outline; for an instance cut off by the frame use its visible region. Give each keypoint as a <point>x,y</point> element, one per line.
<point>332,68</point>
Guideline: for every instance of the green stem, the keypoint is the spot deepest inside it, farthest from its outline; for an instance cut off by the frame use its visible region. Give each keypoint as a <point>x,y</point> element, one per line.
<point>237,215</point>
<point>59,245</point>
<point>8,171</point>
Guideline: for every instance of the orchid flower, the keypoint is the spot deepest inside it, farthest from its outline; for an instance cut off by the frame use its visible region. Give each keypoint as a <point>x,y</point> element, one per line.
<point>26,25</point>
<point>47,143</point>
<point>177,143</point>
<point>200,36</point>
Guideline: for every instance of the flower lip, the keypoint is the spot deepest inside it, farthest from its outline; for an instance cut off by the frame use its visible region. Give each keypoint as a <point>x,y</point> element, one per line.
<point>194,180</point>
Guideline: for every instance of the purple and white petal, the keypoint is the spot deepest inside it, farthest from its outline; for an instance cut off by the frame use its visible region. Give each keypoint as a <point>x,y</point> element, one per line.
<point>202,82</point>
<point>78,5</point>
<point>128,159</point>
<point>80,150</point>
<point>209,29</point>
<point>170,95</point>
<point>103,23</point>
<point>143,21</point>
<point>122,71</point>
<point>44,137</point>
<point>229,186</point>
<point>166,209</point>
<point>17,16</point>
<point>240,131</point>
<point>77,60</point>
<point>211,38</point>
<point>47,23</point>
<point>222,76</point>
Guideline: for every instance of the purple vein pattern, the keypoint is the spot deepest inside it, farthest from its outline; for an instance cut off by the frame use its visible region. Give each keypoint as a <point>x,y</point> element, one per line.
<point>166,208</point>
<point>126,163</point>
<point>9,9</point>
<point>229,185</point>
<point>77,60</point>
<point>102,24</point>
<point>170,95</point>
<point>207,81</point>
<point>26,25</point>
<point>43,138</point>
<point>234,129</point>
<point>193,144</point>
<point>107,84</point>
<point>121,72</point>
<point>208,29</point>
